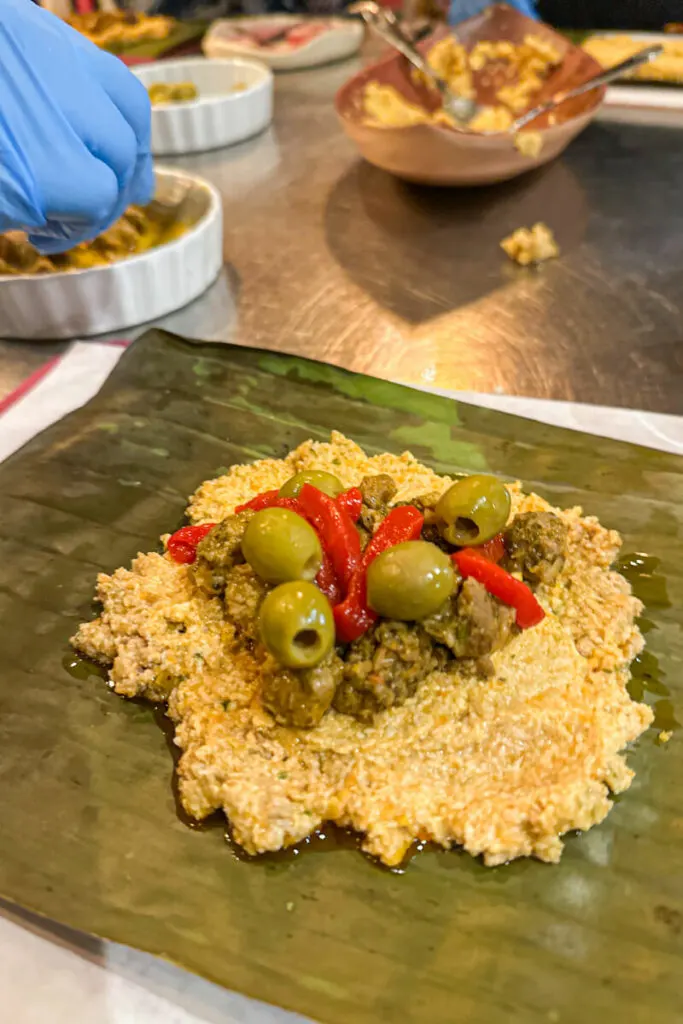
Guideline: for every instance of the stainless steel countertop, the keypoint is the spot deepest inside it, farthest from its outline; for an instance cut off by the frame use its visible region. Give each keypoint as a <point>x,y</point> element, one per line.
<point>328,257</point>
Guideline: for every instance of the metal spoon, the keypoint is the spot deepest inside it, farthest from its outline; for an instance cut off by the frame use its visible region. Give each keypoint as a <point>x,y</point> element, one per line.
<point>642,57</point>
<point>383,21</point>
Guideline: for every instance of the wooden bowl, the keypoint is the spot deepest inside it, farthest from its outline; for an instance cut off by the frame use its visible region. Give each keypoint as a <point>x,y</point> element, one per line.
<point>434,155</point>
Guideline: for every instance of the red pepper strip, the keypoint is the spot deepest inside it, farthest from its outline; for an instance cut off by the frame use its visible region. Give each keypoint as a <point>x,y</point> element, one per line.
<point>336,529</point>
<point>502,585</point>
<point>327,581</point>
<point>290,503</point>
<point>351,501</point>
<point>353,617</point>
<point>493,549</point>
<point>403,523</point>
<point>182,545</point>
<point>264,500</point>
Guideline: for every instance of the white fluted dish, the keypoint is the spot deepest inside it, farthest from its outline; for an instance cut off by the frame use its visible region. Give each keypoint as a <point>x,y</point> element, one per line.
<point>235,102</point>
<point>99,300</point>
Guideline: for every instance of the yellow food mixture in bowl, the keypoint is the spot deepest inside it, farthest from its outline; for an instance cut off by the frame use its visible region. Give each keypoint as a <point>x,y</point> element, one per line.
<point>139,229</point>
<point>525,65</point>
<point>172,92</point>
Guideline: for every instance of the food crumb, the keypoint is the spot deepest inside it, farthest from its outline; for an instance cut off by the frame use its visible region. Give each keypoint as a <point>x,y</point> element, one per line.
<point>531,245</point>
<point>665,736</point>
<point>289,907</point>
<point>529,143</point>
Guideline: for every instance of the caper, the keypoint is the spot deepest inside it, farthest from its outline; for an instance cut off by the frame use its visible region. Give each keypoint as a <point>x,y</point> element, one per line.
<point>279,546</point>
<point>296,624</point>
<point>473,510</point>
<point>325,482</point>
<point>410,581</point>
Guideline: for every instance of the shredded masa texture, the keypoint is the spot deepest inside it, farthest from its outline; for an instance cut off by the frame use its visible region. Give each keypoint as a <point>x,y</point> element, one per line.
<point>501,766</point>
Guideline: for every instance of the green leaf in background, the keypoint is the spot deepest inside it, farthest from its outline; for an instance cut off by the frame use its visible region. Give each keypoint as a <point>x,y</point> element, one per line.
<point>183,33</point>
<point>577,35</point>
<point>89,833</point>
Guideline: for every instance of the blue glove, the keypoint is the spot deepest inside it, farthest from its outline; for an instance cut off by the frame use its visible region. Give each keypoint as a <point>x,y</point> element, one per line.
<point>74,131</point>
<point>459,10</point>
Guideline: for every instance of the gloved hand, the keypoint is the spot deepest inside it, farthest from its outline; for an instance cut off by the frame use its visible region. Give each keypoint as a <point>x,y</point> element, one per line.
<point>459,10</point>
<point>74,131</point>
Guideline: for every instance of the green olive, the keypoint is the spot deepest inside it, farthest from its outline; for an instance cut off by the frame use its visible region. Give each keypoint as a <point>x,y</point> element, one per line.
<point>410,581</point>
<point>184,91</point>
<point>473,510</point>
<point>325,482</point>
<point>281,546</point>
<point>159,92</point>
<point>297,625</point>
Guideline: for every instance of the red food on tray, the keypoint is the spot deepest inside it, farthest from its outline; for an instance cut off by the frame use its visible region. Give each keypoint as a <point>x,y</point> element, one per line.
<point>278,34</point>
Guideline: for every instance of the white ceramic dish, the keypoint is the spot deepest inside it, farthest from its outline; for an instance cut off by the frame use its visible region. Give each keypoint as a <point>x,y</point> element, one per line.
<point>235,102</point>
<point>79,303</point>
<point>340,40</point>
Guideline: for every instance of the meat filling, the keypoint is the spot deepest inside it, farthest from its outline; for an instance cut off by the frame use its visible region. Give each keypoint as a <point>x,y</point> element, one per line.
<point>472,623</point>
<point>377,492</point>
<point>242,597</point>
<point>220,551</point>
<point>384,668</point>
<point>300,698</point>
<point>536,544</point>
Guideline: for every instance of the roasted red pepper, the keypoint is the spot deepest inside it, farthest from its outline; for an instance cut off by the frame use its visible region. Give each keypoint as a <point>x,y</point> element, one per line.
<point>264,500</point>
<point>336,530</point>
<point>493,549</point>
<point>404,523</point>
<point>351,501</point>
<point>329,578</point>
<point>353,617</point>
<point>182,545</point>
<point>270,499</point>
<point>502,585</point>
<point>327,581</point>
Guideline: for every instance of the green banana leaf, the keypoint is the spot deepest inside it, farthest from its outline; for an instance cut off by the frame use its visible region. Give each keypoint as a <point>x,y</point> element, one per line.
<point>182,34</point>
<point>89,832</point>
<point>577,35</point>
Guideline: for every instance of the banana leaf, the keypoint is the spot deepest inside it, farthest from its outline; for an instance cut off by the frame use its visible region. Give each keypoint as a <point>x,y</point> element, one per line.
<point>182,34</point>
<point>89,831</point>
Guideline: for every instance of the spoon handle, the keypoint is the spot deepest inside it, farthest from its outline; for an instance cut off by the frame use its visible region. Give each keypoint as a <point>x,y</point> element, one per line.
<point>385,24</point>
<point>604,78</point>
<point>642,57</point>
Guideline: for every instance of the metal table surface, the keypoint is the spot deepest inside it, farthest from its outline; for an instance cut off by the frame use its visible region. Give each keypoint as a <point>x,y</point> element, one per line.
<point>329,257</point>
